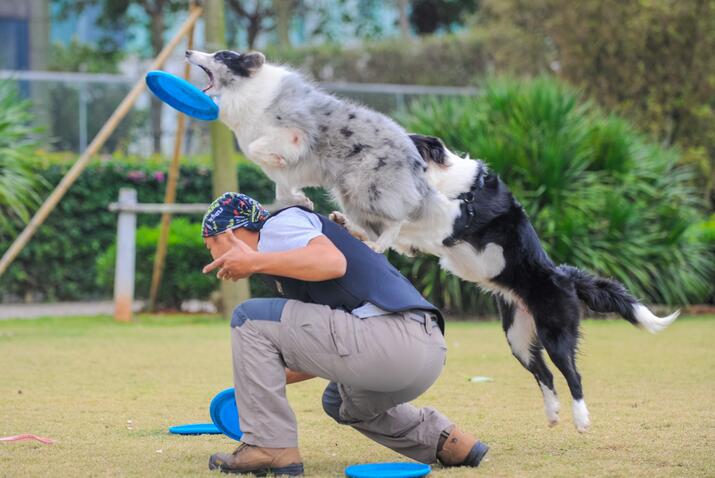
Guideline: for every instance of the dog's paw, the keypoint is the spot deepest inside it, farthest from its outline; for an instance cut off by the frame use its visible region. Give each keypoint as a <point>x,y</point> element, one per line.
<point>305,202</point>
<point>581,418</point>
<point>551,405</point>
<point>266,159</point>
<point>375,246</point>
<point>338,218</point>
<point>276,161</point>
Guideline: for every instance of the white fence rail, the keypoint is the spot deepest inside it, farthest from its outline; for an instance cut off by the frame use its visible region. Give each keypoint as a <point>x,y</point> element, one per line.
<point>125,266</point>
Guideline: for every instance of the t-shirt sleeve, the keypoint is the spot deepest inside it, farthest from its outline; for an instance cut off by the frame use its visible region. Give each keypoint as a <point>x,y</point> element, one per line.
<point>290,229</point>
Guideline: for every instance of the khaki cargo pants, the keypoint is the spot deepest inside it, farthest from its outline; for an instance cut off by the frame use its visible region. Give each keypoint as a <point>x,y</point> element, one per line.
<point>375,366</point>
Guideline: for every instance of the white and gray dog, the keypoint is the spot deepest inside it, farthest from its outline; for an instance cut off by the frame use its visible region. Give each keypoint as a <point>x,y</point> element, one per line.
<point>302,136</point>
<point>412,194</point>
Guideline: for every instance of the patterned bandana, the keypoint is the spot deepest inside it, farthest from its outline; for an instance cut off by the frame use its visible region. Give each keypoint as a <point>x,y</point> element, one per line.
<point>231,211</point>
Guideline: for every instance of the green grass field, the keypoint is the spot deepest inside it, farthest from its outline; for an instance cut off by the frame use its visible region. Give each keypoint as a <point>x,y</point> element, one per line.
<point>107,393</point>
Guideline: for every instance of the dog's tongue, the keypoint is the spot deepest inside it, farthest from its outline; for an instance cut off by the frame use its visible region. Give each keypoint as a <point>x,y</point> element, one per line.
<point>210,85</point>
<point>211,79</point>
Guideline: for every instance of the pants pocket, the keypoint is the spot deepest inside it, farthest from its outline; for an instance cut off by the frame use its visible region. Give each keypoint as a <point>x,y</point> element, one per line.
<point>342,332</point>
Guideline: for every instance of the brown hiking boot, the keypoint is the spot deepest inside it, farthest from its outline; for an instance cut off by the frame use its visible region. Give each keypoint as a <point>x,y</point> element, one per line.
<point>460,449</point>
<point>259,461</point>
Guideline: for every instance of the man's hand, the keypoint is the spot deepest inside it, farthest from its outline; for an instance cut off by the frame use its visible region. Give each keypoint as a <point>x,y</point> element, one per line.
<point>236,263</point>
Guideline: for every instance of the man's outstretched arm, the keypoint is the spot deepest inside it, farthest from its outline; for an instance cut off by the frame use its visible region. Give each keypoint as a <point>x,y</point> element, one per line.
<point>319,260</point>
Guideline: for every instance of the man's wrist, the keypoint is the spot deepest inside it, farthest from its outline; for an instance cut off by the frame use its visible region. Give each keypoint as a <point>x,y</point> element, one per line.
<point>258,265</point>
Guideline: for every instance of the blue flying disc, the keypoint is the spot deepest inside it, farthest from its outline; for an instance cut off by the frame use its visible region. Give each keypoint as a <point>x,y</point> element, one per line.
<point>181,95</point>
<point>388,470</point>
<point>225,414</point>
<point>195,429</point>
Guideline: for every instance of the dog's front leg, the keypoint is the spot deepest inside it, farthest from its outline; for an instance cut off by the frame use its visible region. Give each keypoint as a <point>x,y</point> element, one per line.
<point>387,238</point>
<point>279,148</point>
<point>289,196</point>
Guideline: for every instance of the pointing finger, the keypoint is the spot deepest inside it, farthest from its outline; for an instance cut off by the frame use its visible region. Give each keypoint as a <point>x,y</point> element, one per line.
<point>214,265</point>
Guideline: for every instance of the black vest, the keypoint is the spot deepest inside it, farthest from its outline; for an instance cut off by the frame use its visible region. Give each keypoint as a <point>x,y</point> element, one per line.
<point>369,278</point>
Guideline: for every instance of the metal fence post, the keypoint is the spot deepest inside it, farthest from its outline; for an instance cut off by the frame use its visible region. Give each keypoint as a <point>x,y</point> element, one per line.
<point>126,252</point>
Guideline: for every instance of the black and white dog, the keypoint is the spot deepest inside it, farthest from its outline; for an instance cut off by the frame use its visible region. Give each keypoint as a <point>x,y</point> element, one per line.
<point>491,242</point>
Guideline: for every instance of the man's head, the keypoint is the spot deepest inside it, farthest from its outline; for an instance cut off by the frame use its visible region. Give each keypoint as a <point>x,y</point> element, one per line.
<point>232,213</point>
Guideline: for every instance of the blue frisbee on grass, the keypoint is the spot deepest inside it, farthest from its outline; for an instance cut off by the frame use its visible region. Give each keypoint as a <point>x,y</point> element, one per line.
<point>388,470</point>
<point>181,95</point>
<point>195,429</point>
<point>225,414</point>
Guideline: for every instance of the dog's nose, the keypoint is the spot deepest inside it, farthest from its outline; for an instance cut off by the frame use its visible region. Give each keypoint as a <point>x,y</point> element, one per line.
<point>188,53</point>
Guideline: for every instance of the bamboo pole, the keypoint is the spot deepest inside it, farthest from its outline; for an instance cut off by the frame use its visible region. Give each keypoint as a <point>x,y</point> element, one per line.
<point>170,193</point>
<point>98,141</point>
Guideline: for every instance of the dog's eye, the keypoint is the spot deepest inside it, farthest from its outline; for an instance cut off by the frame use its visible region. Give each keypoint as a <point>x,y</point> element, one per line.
<point>225,55</point>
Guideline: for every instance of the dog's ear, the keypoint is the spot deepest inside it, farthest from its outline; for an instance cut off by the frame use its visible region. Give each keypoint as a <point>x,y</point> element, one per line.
<point>253,60</point>
<point>242,64</point>
<point>430,148</point>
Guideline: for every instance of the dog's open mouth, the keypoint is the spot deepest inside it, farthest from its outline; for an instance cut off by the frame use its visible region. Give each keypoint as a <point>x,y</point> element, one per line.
<point>211,78</point>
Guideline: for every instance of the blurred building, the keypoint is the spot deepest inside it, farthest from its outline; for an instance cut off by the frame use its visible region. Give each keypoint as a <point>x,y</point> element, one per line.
<point>24,34</point>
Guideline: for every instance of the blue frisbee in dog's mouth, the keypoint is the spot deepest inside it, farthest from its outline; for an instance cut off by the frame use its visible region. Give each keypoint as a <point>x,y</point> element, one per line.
<point>224,414</point>
<point>181,95</point>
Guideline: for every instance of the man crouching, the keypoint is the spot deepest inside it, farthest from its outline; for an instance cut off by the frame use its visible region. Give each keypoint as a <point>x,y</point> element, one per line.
<point>346,315</point>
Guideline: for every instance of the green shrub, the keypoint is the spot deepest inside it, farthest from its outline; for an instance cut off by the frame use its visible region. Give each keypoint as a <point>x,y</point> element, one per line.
<point>600,196</point>
<point>651,61</point>
<point>60,262</point>
<point>182,279</point>
<point>19,182</point>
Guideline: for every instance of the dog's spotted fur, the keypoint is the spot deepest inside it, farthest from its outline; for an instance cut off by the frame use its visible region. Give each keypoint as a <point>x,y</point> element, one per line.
<point>302,136</point>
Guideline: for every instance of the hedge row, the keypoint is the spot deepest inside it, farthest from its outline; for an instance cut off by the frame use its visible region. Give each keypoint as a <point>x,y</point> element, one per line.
<point>60,262</point>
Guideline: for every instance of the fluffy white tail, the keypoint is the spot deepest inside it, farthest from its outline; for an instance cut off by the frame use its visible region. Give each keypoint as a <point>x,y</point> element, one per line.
<point>651,322</point>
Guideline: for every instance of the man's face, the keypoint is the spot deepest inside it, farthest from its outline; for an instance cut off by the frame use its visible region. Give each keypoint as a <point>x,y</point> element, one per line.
<point>218,245</point>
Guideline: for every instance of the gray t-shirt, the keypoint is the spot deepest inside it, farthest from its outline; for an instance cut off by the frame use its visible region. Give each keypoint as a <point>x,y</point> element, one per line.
<point>295,228</point>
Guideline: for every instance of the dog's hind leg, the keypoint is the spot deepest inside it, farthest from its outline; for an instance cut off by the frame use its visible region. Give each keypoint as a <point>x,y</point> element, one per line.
<point>559,337</point>
<point>521,335</point>
<point>290,196</point>
<point>387,237</point>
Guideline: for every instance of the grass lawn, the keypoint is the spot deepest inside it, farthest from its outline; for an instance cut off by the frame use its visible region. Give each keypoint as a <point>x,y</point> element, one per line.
<point>107,393</point>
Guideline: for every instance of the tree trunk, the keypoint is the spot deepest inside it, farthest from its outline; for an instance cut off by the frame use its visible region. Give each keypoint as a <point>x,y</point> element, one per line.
<point>404,20</point>
<point>39,48</point>
<point>254,28</point>
<point>157,43</point>
<point>283,10</point>
<point>224,175</point>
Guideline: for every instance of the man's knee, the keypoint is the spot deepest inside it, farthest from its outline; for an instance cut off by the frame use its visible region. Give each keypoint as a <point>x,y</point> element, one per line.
<point>258,309</point>
<point>332,401</point>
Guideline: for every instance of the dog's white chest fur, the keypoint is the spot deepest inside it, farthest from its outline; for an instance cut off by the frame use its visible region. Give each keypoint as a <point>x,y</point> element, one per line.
<point>472,265</point>
<point>452,179</point>
<point>249,103</point>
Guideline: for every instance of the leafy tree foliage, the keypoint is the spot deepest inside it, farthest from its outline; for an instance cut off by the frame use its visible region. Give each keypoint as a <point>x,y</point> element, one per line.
<point>650,60</point>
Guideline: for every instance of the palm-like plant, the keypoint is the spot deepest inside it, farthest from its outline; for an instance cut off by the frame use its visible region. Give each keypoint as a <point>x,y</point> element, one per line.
<point>19,182</point>
<point>600,196</point>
